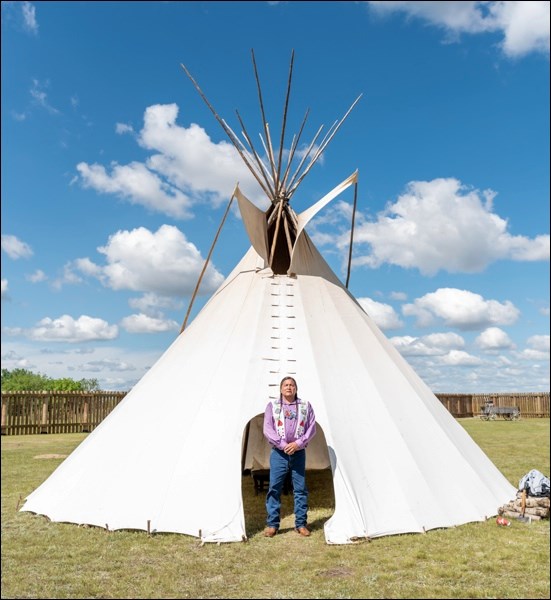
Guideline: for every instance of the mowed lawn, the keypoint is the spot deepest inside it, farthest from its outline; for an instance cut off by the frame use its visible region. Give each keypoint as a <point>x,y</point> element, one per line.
<point>478,560</point>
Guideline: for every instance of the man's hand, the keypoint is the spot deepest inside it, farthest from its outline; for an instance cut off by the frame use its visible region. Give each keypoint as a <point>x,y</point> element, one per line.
<point>291,448</point>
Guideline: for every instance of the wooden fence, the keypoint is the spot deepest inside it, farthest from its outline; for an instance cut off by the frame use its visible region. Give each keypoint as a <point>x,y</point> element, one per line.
<point>531,404</point>
<point>75,412</point>
<point>55,412</point>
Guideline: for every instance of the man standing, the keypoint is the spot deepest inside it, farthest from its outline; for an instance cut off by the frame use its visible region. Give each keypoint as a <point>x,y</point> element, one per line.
<point>289,426</point>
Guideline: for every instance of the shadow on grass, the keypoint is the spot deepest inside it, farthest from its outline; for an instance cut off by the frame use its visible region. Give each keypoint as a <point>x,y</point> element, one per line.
<point>321,500</point>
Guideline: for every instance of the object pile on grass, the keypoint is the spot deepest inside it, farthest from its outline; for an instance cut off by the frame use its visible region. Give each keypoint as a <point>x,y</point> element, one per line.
<point>532,501</point>
<point>534,508</point>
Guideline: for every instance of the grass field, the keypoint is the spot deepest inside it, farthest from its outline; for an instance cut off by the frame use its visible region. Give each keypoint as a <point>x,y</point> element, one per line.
<point>478,560</point>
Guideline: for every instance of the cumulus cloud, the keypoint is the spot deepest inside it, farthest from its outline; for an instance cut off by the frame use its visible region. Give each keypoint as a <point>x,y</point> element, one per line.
<point>538,348</point>
<point>162,262</point>
<point>139,185</point>
<point>459,358</point>
<point>383,314</point>
<point>142,323</point>
<point>15,248</point>
<point>150,304</point>
<point>523,25</point>
<point>68,277</point>
<point>37,276</point>
<point>186,167</point>
<point>189,158</point>
<point>435,344</point>
<point>442,225</point>
<point>538,342</point>
<point>494,339</point>
<point>461,309</point>
<point>67,329</point>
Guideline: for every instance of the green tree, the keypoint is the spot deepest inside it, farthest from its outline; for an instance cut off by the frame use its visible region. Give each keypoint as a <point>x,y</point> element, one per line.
<point>22,380</point>
<point>89,385</point>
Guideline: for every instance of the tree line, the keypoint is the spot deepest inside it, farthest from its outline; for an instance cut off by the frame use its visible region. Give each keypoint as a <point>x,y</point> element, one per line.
<point>23,380</point>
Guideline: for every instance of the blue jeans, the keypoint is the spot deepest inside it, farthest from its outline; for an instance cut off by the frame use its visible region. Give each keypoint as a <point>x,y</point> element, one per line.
<point>280,464</point>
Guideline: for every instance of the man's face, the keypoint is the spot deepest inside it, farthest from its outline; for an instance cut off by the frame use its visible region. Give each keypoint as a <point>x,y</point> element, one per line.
<point>288,388</point>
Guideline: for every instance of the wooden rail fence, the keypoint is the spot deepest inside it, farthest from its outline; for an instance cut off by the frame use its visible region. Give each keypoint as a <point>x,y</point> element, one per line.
<point>55,412</point>
<point>531,404</point>
<point>75,412</point>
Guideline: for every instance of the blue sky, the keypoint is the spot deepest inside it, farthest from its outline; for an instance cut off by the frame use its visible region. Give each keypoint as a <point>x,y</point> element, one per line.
<point>115,175</point>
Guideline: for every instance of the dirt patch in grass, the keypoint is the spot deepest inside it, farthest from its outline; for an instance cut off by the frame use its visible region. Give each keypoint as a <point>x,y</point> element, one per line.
<point>50,456</point>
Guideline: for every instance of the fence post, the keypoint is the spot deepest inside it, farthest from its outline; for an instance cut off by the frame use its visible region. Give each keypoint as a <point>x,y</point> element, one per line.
<point>44,421</point>
<point>4,414</point>
<point>85,427</point>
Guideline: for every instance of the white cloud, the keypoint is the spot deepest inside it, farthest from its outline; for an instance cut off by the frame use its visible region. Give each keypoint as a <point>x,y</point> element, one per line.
<point>122,128</point>
<point>67,329</point>
<point>524,25</point>
<point>186,168</point>
<point>150,303</point>
<point>107,363</point>
<point>462,309</point>
<point>99,366</point>
<point>435,344</point>
<point>68,277</point>
<point>12,360</point>
<point>459,358</point>
<point>145,324</point>
<point>29,17</point>
<point>531,354</point>
<point>401,296</point>
<point>189,159</point>
<point>41,98</point>
<point>37,276</point>
<point>494,339</point>
<point>15,248</point>
<point>441,225</point>
<point>137,183</point>
<point>383,314</point>
<point>538,342</point>
<point>163,262</point>
<point>18,116</point>
<point>5,295</point>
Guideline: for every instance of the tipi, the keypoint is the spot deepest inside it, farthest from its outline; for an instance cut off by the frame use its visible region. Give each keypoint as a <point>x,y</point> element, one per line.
<point>170,457</point>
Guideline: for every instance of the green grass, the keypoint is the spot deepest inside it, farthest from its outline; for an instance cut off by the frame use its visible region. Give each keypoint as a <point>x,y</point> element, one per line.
<point>478,560</point>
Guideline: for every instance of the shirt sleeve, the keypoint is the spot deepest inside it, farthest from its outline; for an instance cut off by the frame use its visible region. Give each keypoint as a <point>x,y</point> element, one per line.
<point>270,432</point>
<point>309,429</point>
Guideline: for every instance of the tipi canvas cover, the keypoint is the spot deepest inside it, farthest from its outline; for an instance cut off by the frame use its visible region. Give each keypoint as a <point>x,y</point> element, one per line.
<point>170,457</point>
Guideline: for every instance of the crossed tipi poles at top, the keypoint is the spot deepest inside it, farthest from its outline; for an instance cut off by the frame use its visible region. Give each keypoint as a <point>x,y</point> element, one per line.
<point>275,180</point>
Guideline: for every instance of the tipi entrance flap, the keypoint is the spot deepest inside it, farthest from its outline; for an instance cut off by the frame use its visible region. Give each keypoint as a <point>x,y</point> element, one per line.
<point>257,450</point>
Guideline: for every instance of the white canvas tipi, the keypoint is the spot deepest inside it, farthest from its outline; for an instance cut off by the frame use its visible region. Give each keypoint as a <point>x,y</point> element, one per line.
<point>169,458</point>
